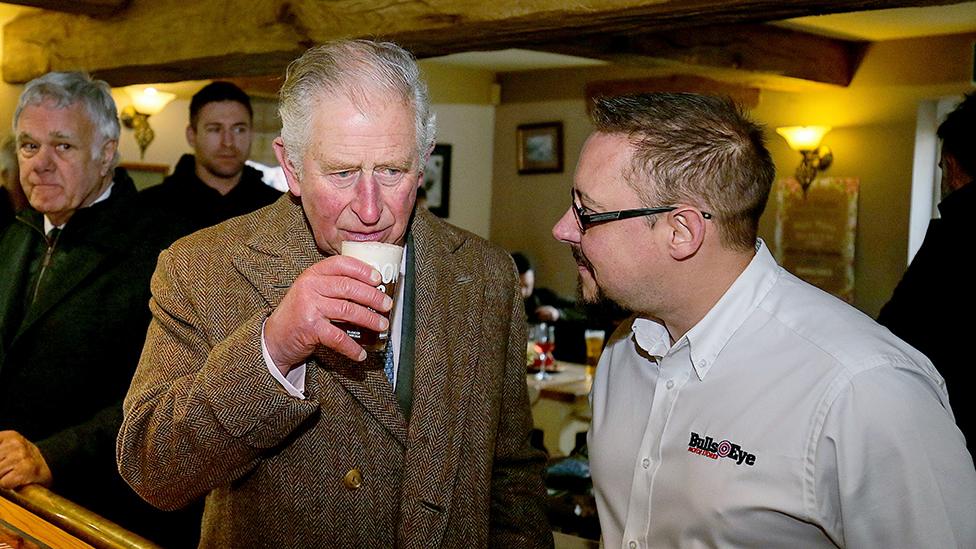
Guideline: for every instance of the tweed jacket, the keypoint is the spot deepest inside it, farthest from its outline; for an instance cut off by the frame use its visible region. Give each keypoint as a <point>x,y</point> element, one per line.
<point>342,467</point>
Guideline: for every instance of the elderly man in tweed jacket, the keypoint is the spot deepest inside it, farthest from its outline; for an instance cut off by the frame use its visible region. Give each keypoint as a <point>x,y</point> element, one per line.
<point>248,393</point>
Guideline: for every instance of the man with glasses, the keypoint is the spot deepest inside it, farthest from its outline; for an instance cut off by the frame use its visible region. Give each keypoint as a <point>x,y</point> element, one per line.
<point>740,406</point>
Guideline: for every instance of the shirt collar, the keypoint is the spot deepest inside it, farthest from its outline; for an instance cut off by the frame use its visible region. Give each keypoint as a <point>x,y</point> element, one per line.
<point>708,337</point>
<point>105,194</point>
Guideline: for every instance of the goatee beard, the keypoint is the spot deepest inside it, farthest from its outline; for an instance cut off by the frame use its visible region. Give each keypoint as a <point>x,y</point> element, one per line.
<point>599,306</point>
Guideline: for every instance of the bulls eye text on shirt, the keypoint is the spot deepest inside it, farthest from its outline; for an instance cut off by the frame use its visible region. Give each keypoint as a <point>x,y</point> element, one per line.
<point>706,446</point>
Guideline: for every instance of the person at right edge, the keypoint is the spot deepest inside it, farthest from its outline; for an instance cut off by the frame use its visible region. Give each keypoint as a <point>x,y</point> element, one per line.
<point>932,307</point>
<point>741,406</point>
<point>249,393</point>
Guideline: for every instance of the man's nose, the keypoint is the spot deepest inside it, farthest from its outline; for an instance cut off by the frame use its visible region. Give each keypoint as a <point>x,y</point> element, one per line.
<point>368,203</point>
<point>43,159</point>
<point>566,230</point>
<point>227,137</point>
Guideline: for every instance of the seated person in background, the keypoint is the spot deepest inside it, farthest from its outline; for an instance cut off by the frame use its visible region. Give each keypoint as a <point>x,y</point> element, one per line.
<point>74,303</point>
<point>545,305</point>
<point>12,198</point>
<point>542,304</point>
<point>214,184</point>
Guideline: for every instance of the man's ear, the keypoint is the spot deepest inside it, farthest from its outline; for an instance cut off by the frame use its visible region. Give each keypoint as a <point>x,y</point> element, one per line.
<point>191,136</point>
<point>423,165</point>
<point>108,155</point>
<point>293,183</point>
<point>687,229</point>
<point>956,176</point>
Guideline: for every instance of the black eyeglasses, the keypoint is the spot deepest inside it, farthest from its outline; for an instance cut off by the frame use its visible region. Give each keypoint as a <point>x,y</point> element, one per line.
<point>585,220</point>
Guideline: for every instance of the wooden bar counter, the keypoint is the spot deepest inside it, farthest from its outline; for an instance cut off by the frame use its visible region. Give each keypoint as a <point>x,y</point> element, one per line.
<point>33,517</point>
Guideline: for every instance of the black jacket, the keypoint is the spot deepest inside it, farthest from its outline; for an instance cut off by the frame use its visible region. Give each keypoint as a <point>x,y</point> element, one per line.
<point>932,307</point>
<point>190,204</point>
<point>67,361</point>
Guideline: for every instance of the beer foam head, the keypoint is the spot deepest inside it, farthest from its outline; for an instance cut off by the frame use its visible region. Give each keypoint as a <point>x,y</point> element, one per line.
<point>381,252</point>
<point>380,255</point>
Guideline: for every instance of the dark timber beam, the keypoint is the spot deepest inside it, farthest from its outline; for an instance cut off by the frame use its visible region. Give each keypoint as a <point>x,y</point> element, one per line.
<point>171,40</point>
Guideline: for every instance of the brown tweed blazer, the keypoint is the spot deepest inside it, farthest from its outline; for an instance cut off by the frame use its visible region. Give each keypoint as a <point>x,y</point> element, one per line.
<point>204,416</point>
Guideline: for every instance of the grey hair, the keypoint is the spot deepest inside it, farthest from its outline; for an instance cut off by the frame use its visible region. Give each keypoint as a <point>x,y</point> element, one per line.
<point>697,150</point>
<point>357,69</point>
<point>67,88</point>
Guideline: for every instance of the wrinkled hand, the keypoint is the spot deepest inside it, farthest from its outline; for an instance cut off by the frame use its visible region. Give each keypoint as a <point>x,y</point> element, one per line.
<point>21,462</point>
<point>547,313</point>
<point>335,289</point>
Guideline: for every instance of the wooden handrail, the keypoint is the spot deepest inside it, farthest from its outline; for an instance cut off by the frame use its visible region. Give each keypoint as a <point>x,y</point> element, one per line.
<point>75,519</point>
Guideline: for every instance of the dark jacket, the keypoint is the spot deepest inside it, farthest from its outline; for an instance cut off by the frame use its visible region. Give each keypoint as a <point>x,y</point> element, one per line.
<point>66,362</point>
<point>6,208</point>
<point>932,307</point>
<point>190,204</point>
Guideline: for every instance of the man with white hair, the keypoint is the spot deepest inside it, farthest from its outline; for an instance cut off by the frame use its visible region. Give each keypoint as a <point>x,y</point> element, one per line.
<point>248,392</point>
<point>74,292</point>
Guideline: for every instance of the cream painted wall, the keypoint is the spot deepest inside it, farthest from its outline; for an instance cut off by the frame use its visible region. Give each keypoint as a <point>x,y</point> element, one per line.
<point>169,126</point>
<point>874,121</point>
<point>468,129</point>
<point>525,207</point>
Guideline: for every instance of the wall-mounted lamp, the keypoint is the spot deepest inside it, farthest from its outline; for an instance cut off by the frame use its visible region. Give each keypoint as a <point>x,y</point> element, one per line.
<point>806,141</point>
<point>146,101</point>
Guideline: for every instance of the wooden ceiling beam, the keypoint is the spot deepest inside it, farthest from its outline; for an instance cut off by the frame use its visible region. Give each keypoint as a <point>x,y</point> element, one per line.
<point>171,40</point>
<point>94,8</point>
<point>757,48</point>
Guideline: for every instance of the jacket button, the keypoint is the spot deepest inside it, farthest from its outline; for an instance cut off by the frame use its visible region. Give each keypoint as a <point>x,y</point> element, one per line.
<point>353,479</point>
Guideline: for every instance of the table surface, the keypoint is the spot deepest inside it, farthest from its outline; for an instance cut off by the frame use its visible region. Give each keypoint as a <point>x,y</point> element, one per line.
<point>566,541</point>
<point>568,384</point>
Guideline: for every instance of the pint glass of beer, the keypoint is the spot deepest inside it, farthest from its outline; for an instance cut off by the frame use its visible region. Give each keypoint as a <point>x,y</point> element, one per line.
<point>385,258</point>
<point>594,346</point>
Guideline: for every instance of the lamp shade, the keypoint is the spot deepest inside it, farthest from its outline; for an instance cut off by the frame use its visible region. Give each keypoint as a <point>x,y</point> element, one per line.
<point>148,100</point>
<point>803,138</point>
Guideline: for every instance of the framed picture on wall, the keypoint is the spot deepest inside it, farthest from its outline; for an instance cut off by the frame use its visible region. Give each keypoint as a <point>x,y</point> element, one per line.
<point>540,148</point>
<point>437,181</point>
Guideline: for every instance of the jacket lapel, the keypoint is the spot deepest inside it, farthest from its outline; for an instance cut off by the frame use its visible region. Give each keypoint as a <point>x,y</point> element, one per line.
<point>278,251</point>
<point>447,318</point>
<point>68,270</point>
<point>271,259</point>
<point>92,236</point>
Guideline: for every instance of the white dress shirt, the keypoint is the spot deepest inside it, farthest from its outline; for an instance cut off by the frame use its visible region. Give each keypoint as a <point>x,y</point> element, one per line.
<point>48,225</point>
<point>784,418</point>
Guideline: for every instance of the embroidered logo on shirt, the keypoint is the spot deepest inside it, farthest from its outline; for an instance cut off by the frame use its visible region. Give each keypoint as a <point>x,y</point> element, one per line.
<point>709,448</point>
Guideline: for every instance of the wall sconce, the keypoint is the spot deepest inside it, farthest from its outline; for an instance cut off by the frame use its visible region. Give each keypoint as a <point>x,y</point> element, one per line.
<point>146,101</point>
<point>806,141</point>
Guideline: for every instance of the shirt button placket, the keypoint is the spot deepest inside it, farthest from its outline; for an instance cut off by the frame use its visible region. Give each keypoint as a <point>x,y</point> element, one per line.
<point>632,544</point>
